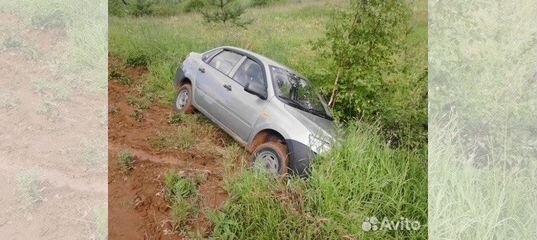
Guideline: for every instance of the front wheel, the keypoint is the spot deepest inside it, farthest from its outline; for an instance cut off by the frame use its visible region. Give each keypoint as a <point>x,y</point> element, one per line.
<point>271,157</point>
<point>183,101</point>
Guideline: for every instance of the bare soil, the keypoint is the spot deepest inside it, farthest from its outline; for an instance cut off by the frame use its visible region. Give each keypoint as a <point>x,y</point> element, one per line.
<point>36,139</point>
<point>137,207</point>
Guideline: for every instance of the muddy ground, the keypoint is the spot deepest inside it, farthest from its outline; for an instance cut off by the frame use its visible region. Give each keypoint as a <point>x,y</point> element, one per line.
<point>137,206</point>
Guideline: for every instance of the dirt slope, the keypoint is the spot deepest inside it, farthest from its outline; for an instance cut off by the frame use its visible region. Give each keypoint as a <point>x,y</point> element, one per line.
<point>137,208</point>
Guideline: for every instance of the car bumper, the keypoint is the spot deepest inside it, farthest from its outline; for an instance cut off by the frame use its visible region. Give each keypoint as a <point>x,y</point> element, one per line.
<point>300,157</point>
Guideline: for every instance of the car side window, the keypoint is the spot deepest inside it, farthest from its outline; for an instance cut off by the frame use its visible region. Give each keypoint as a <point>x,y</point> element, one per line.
<point>209,54</point>
<point>225,61</point>
<point>249,71</point>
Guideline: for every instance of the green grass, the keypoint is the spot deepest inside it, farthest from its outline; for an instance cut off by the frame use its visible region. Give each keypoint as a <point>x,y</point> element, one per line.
<point>29,187</point>
<point>101,222</point>
<point>162,43</point>
<point>181,210</point>
<point>180,193</point>
<point>182,138</point>
<point>177,186</point>
<point>125,160</point>
<point>139,102</point>
<point>360,179</point>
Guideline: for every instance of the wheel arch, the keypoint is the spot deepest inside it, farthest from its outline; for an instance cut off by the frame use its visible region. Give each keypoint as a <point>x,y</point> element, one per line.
<point>263,136</point>
<point>182,80</point>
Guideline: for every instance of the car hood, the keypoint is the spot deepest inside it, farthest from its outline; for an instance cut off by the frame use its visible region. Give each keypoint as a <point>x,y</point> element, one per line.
<point>313,123</point>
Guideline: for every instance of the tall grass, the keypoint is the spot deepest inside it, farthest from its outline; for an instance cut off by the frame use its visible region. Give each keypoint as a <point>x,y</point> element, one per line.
<point>162,43</point>
<point>482,171</point>
<point>360,179</point>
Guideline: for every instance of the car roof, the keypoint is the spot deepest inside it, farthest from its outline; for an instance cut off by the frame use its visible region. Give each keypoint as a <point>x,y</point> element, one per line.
<point>260,57</point>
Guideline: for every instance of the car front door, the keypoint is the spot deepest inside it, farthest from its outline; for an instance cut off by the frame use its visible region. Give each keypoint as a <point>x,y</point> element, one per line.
<point>244,107</point>
<point>212,82</point>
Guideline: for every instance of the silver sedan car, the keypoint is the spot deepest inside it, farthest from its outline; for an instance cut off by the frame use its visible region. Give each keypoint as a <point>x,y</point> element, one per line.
<point>268,108</point>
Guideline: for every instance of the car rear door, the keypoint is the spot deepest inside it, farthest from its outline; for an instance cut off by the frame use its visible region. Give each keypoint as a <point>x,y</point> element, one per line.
<point>212,94</point>
<point>244,107</point>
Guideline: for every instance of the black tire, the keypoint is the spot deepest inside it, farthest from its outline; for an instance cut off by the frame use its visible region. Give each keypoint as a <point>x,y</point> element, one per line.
<point>182,104</point>
<point>274,157</point>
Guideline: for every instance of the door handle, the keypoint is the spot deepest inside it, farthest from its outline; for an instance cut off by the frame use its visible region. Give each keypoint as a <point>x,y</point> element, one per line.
<point>201,69</point>
<point>228,87</point>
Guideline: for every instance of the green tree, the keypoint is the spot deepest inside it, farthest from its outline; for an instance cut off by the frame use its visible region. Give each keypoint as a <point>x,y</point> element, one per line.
<point>224,11</point>
<point>364,76</point>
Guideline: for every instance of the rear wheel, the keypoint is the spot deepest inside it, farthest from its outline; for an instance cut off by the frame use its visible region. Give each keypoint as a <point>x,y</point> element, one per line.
<point>271,157</point>
<point>183,101</point>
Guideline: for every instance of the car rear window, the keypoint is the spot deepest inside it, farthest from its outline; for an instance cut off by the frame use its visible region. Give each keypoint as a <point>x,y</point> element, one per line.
<point>225,61</point>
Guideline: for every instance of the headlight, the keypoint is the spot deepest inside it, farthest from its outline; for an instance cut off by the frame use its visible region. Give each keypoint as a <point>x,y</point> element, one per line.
<point>317,144</point>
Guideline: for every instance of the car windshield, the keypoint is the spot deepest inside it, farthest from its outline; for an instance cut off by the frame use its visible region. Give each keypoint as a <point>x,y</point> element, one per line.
<point>295,90</point>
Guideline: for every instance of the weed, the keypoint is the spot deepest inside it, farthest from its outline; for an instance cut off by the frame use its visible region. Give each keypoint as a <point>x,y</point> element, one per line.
<point>113,109</point>
<point>29,187</point>
<point>125,160</point>
<point>181,210</point>
<point>138,114</point>
<point>54,19</point>
<point>13,43</point>
<point>114,73</point>
<point>139,102</point>
<point>122,78</point>
<point>125,80</point>
<point>175,118</point>
<point>101,223</point>
<point>201,177</point>
<point>234,156</point>
<point>8,101</point>
<point>177,186</point>
<point>179,191</point>
<point>138,59</point>
<point>182,138</point>
<point>92,153</point>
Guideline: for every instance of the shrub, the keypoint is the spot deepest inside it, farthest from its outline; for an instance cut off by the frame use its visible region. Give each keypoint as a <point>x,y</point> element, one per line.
<point>372,75</point>
<point>125,160</point>
<point>193,5</point>
<point>263,2</point>
<point>117,8</point>
<point>142,8</point>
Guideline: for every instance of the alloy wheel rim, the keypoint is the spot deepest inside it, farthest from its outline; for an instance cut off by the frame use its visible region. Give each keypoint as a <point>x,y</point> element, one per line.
<point>267,161</point>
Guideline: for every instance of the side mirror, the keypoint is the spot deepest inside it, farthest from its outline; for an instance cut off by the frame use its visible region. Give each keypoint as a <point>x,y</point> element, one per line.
<point>256,88</point>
